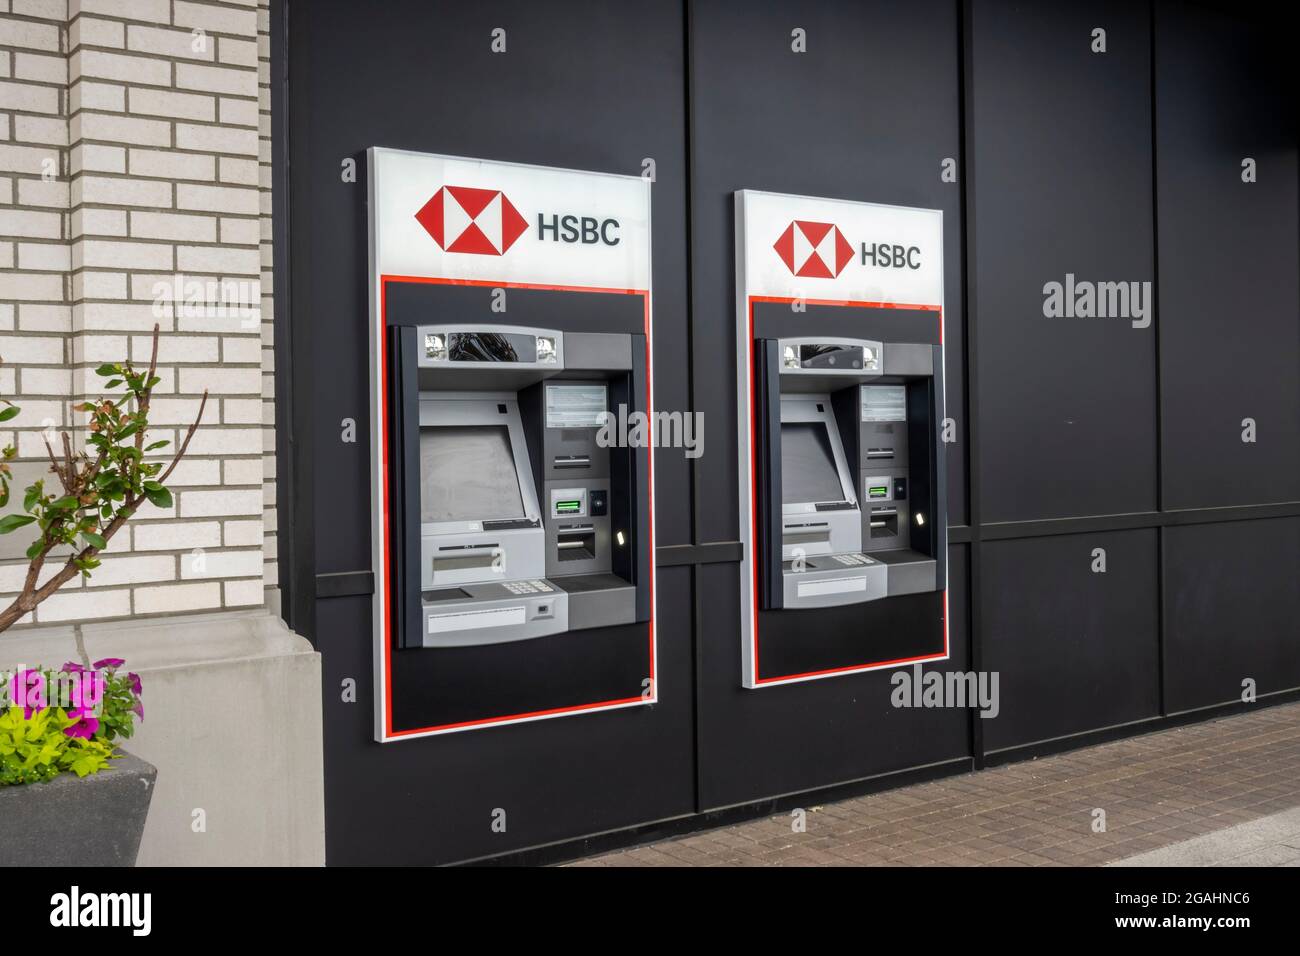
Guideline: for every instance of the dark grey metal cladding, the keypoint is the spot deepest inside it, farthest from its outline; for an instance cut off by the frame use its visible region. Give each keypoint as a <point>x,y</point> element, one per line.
<point>910,572</point>
<point>883,453</point>
<point>600,600</point>
<point>907,358</point>
<point>598,350</point>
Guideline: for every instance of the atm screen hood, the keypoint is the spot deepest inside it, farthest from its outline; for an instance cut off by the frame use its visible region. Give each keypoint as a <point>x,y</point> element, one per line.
<point>809,471</point>
<point>467,473</point>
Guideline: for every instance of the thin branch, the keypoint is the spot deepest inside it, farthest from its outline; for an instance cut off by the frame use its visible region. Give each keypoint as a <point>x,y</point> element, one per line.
<point>54,462</point>
<point>180,453</point>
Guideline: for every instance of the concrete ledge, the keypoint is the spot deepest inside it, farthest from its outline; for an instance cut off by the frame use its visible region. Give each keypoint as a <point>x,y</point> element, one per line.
<point>232,722</point>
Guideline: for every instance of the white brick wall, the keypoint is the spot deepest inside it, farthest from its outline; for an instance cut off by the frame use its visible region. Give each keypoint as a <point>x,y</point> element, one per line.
<point>135,146</point>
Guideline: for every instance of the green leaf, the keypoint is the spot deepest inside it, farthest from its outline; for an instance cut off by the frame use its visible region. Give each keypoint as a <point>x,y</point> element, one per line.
<point>33,495</point>
<point>94,540</point>
<point>8,413</point>
<point>159,497</point>
<point>35,549</point>
<point>108,370</point>
<point>158,444</point>
<point>113,384</point>
<point>13,522</point>
<point>128,431</point>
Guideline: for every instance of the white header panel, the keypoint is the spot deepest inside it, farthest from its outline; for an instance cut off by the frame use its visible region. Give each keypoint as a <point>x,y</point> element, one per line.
<point>452,218</point>
<point>801,247</point>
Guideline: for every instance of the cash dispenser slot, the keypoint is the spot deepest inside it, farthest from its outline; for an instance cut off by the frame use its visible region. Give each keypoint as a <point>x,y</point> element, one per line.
<point>575,544</point>
<point>513,522</point>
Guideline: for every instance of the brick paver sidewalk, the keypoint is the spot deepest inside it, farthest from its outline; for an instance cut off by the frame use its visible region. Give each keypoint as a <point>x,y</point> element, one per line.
<point>1156,790</point>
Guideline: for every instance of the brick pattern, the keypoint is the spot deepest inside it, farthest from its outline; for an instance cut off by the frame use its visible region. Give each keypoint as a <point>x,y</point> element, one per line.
<point>134,149</point>
<point>1157,791</point>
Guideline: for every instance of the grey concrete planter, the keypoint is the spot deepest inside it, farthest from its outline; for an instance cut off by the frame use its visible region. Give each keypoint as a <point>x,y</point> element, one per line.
<point>78,821</point>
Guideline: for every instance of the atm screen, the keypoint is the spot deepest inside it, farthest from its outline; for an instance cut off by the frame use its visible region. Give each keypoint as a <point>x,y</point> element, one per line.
<point>808,471</point>
<point>467,473</point>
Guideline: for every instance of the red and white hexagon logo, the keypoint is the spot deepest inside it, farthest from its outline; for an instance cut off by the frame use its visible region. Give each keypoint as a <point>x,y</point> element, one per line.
<point>478,221</point>
<point>814,250</point>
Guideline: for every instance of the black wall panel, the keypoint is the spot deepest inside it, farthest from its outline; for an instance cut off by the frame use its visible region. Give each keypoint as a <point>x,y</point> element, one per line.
<point>1229,292</point>
<point>1232,603</point>
<point>778,740</point>
<point>1062,185</point>
<point>433,799</point>
<point>869,112</point>
<point>574,90</point>
<point>1076,650</point>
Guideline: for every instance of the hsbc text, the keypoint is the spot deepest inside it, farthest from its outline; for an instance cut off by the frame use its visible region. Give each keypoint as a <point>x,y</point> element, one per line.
<point>887,256</point>
<point>582,229</point>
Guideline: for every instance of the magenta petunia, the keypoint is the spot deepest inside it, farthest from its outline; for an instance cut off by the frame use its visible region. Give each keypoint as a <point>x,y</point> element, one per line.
<point>112,663</point>
<point>136,686</point>
<point>84,723</point>
<point>27,690</point>
<point>88,690</point>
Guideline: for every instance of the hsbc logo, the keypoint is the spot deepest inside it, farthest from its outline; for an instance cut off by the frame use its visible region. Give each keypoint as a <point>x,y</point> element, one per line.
<point>481,222</point>
<point>818,250</point>
<point>485,222</point>
<point>814,250</point>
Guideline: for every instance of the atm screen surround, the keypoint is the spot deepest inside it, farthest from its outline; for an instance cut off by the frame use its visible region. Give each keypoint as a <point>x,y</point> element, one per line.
<point>467,473</point>
<point>808,469</point>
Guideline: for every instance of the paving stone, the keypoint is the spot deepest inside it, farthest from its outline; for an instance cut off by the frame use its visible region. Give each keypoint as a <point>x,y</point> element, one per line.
<point>1223,792</point>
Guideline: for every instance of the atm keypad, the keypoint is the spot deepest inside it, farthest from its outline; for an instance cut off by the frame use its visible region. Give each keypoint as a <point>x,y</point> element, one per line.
<point>536,586</point>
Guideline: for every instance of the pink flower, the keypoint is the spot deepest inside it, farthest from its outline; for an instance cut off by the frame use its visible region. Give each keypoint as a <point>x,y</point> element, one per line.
<point>27,690</point>
<point>87,689</point>
<point>112,663</point>
<point>136,687</point>
<point>84,723</point>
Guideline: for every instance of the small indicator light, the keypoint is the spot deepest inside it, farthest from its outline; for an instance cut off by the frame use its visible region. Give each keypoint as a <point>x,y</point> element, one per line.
<point>920,518</point>
<point>619,537</point>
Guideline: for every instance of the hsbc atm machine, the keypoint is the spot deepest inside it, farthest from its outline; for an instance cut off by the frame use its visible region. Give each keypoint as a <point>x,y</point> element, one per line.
<point>516,521</point>
<point>840,390</point>
<point>512,529</point>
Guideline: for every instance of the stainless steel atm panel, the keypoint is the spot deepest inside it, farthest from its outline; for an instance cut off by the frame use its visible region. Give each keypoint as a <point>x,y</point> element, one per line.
<point>515,521</point>
<point>849,488</point>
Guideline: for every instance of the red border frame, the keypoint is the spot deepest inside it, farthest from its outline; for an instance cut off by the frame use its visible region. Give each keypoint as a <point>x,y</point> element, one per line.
<point>389,732</point>
<point>753,501</point>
